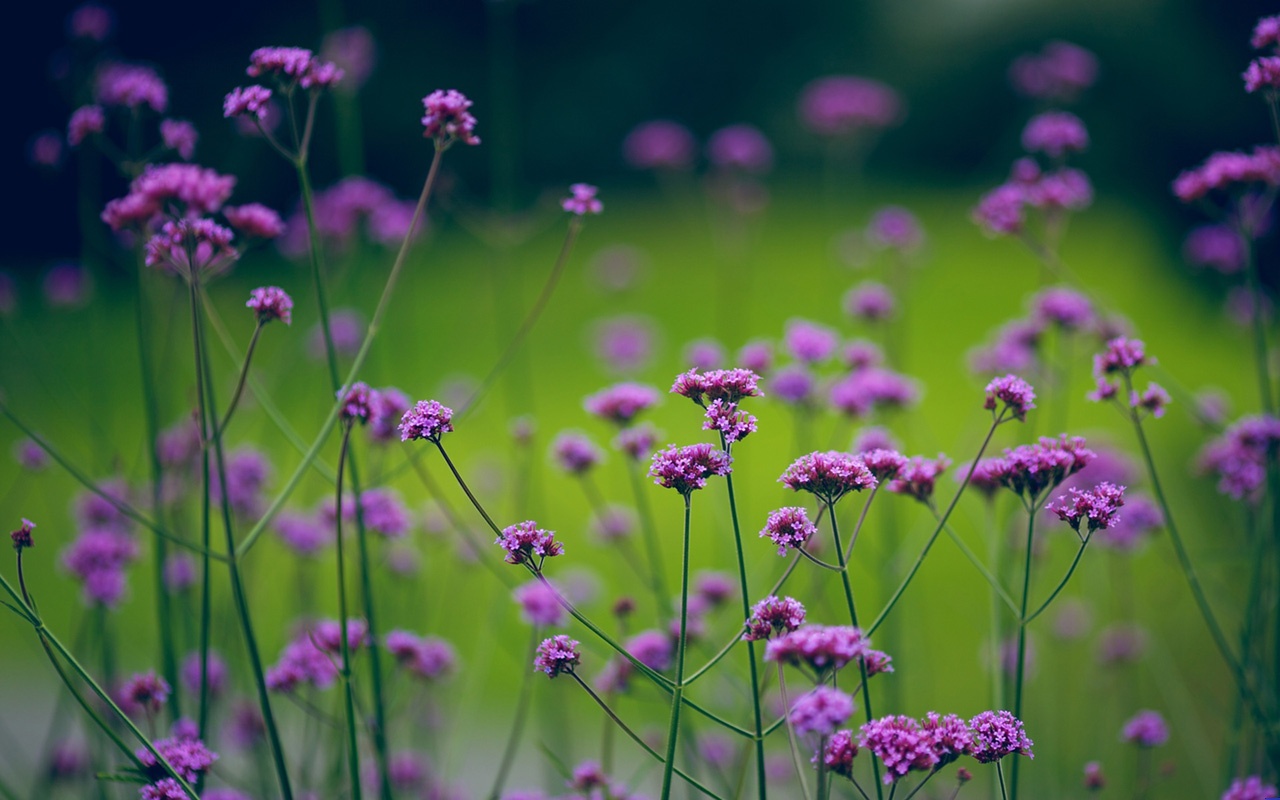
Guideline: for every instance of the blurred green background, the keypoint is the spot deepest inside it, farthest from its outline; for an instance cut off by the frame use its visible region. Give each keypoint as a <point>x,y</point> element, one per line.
<point>557,85</point>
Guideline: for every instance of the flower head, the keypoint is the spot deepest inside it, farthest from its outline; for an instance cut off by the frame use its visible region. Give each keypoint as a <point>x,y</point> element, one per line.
<point>901,744</point>
<point>729,385</point>
<point>828,476</point>
<point>131,86</point>
<point>269,303</point>
<point>1145,729</point>
<point>637,441</point>
<point>1153,400</point>
<point>1226,170</point>
<point>428,420</point>
<point>1055,133</point>
<point>85,122</point>
<point>1250,788</point>
<point>808,341</point>
<point>539,604</point>
<point>22,536</point>
<point>621,403</point>
<point>687,468</point>
<point>1241,454</point>
<point>290,64</point>
<point>525,540</point>
<point>254,221</point>
<point>842,105</point>
<point>1060,71</point>
<point>1014,393</point>
<point>918,477</point>
<point>575,453</point>
<point>997,734</point>
<point>250,100</point>
<point>192,246</point>
<point>821,710</point>
<point>428,658</point>
<point>582,200</point>
<point>732,423</point>
<point>838,755</point>
<point>447,119</point>
<point>1029,470</point>
<point>740,147</point>
<point>774,615</point>
<point>894,227</point>
<point>357,402</point>
<point>884,463</point>
<point>789,527</point>
<point>659,144</point>
<point>1066,308</point>
<point>144,691</point>
<point>821,648</point>
<point>1098,507</point>
<point>870,301</point>
<point>557,655</point>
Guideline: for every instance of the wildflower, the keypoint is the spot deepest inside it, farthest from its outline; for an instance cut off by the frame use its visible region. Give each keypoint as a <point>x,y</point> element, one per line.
<point>1000,211</point>
<point>131,86</point>
<point>582,200</point>
<point>997,734</point>
<point>271,303</point>
<point>215,672</point>
<point>447,119</point>
<point>98,558</point>
<point>772,616</point>
<point>428,420</point>
<point>884,463</point>
<point>789,527</point>
<point>870,302</point>
<point>1093,777</point>
<point>188,756</point>
<point>1153,400</point>
<point>384,513</point>
<point>821,710</point>
<point>794,384</point>
<point>740,147</point>
<point>85,122</point>
<point>357,402</point>
<point>91,21</point>
<point>1250,788</point>
<point>873,437</point>
<point>192,246</point>
<point>1141,517</point>
<point>144,691</point>
<point>254,221</point>
<point>894,227</point>
<point>179,136</point>
<point>713,588</point>
<point>45,149</point>
<point>949,736</point>
<point>808,341</point>
<point>659,144</point>
<point>624,344</point>
<point>1029,470</point>
<point>354,51</point>
<point>866,390</point>
<point>621,403</point>
<point>839,752</point>
<point>842,105</point>
<point>557,655</point>
<point>1066,308</point>
<point>1014,350</point>
<point>22,536</point>
<point>1146,729</point>
<point>293,64</point>
<point>828,476</point>
<point>901,744</point>
<point>1060,71</point>
<point>301,533</point>
<point>1215,246</point>
<point>686,469</point>
<point>732,423</point>
<point>918,477</point>
<point>1262,73</point>
<point>637,441</point>
<point>653,648</point>
<point>428,657</point>
<point>1063,190</point>
<point>179,572</point>
<point>756,356</point>
<point>822,649</point>
<point>729,385</point>
<point>1240,455</point>
<point>575,453</point>
<point>704,354</point>
<point>248,100</point>
<point>67,285</point>
<point>525,540</point>
<point>539,604</point>
<point>1015,393</point>
<point>1223,170</point>
<point>1055,133</point>
<point>1121,643</point>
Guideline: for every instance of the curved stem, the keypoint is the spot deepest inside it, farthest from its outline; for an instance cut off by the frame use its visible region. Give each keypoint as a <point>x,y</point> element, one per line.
<point>673,730</point>
<point>653,551</point>
<point>817,561</point>
<point>457,476</point>
<point>862,517</point>
<point>1258,324</point>
<point>796,761</point>
<point>244,374</point>
<point>344,647</point>
<point>724,651</point>
<point>1061,584</point>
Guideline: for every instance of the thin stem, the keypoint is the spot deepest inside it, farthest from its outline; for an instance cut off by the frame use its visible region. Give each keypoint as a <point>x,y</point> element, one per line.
<point>1020,673</point>
<point>720,654</point>
<point>530,319</point>
<point>921,784</point>
<point>862,517</point>
<point>1004,794</point>
<point>317,277</point>
<point>1062,584</point>
<point>344,647</point>
<point>202,423</point>
<point>433,489</point>
<point>673,730</point>
<point>1258,324</point>
<point>654,551</point>
<point>375,324</point>
<point>817,561</point>
<point>791,733</point>
<point>517,725</point>
<point>244,374</point>
<point>457,476</point>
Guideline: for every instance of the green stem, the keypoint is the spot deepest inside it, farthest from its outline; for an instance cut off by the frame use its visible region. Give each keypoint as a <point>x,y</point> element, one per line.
<point>657,580</point>
<point>1004,793</point>
<point>1062,584</point>
<point>344,647</point>
<point>317,277</point>
<point>673,730</point>
<point>203,423</point>
<point>862,517</point>
<point>244,374</point>
<point>796,761</point>
<point>1020,672</point>
<point>517,725</point>
<point>1258,324</point>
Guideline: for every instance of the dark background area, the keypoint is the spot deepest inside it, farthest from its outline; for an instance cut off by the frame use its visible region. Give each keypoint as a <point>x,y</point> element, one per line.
<point>583,73</point>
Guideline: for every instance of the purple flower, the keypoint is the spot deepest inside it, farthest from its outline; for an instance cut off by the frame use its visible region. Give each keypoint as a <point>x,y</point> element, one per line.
<point>918,477</point>
<point>1262,73</point>
<point>1066,308</point>
<point>45,149</point>
<point>22,536</point>
<point>539,604</point>
<point>1093,777</point>
<point>624,344</point>
<point>389,407</point>
<point>828,476</point>
<point>621,403</point>
<point>67,286</point>
<point>637,441</point>
<point>687,468</point>
<point>821,710</point>
<point>997,734</point>
<point>1055,133</point>
<point>794,384</point>
<point>871,438</point>
<point>1141,517</point>
<point>901,744</point>
<point>870,302</point>
<point>841,105</point>
<point>822,649</point>
<point>428,658</point>
<point>575,453</point>
<point>269,303</point>
<point>1250,788</point>
<point>866,390</point>
<point>247,100</point>
<point>293,64</point>
<point>733,424</point>
<point>789,527</point>
<point>884,463</point>
<point>1121,643</point>
<point>839,752</point>
<point>145,692</point>
<point>354,51</point>
<point>216,672</point>
<point>85,121</point>
<point>1266,33</point>
<point>1014,393</point>
<point>557,655</point>
<point>447,119</point>
<point>98,558</point>
<point>704,354</point>
<point>1029,470</point>
<point>659,144</point>
<point>302,533</point>
<point>254,221</point>
<point>1240,456</point>
<point>729,385</point>
<point>1145,729</point>
<point>1223,170</point>
<point>188,756</point>
<point>384,513</point>
<point>756,356</point>
<point>740,147</point>
<point>949,736</point>
<point>772,616</point>
<point>653,648</point>
<point>1060,71</point>
<point>91,21</point>
<point>809,342</point>
<point>357,402</point>
<point>582,200</point>
<point>525,540</point>
<point>179,136</point>
<point>179,572</point>
<point>131,86</point>
<point>1014,350</point>
<point>192,246</point>
<point>195,189</point>
<point>428,420</point>
<point>896,228</point>
<point>1001,210</point>
<point>1063,190</point>
<point>1215,246</point>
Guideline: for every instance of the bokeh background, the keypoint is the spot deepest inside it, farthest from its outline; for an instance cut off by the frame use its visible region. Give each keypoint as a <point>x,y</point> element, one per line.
<point>557,85</point>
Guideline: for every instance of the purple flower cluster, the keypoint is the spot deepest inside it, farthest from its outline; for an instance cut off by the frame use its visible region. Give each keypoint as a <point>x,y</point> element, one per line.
<point>446,119</point>
<point>773,615</point>
<point>270,303</point>
<point>247,100</point>
<point>794,384</point>
<point>425,657</point>
<point>894,227</point>
<point>1215,246</point>
<point>290,65</point>
<point>1250,788</point>
<point>21,538</point>
<point>637,441</point>
<point>1055,133</point>
<point>309,658</point>
<point>194,189</point>
<point>1227,170</point>
<point>867,390</point>
<point>342,209</point>
<point>869,301</point>
<point>733,423</point>
<point>809,342</point>
<point>1145,729</point>
<point>1066,308</point>
<point>131,86</point>
<point>1060,71</point>
<point>687,468</point>
<point>187,755</point>
<point>789,527</point>
<point>1014,393</point>
<point>582,200</point>
<point>248,472</point>
<point>191,247</point>
<point>918,477</point>
<point>98,558</point>
<point>1031,469</point>
<point>842,105</point>
<point>659,144</point>
<point>821,710</point>
<point>539,604</point>
<point>557,655</point>
<point>1239,457</point>
<point>884,463</point>
<point>821,648</point>
<point>740,147</point>
<point>1002,211</point>
<point>621,403</point>
<point>145,692</point>
<point>357,402</point>
<point>254,221</point>
<point>575,453</point>
<point>428,420</point>
<point>1015,348</point>
<point>1098,507</point>
<point>839,753</point>
<point>997,734</point>
<point>828,476</point>
<point>525,540</point>
<point>85,122</point>
<point>729,385</point>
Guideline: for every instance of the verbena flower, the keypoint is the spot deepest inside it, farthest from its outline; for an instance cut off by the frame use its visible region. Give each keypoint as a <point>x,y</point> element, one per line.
<point>884,463</point>
<point>85,122</point>
<point>428,658</point>
<point>388,409</point>
<point>757,356</point>
<point>428,419</point>
<point>384,513</point>
<point>997,734</point>
<point>828,476</point>
<point>821,710</point>
<point>871,389</point>
<point>22,536</point>
<point>188,756</point>
<point>918,477</point>
<point>91,21</point>
<point>789,527</point>
<point>687,468</point>
<point>1098,508</point>
<point>357,402</point>
<point>1066,308</point>
<point>732,423</point>
<point>1145,729</point>
<point>839,752</point>
<point>894,227</point>
<point>1262,73</point>
<point>144,692</point>
<point>823,649</point>
<point>1153,400</point>
<point>271,303</point>
<point>180,136</point>
<point>131,86</point>
<point>621,403</point>
<point>557,655</point>
<point>192,246</point>
<point>447,119</point>
<point>809,342</point>
<point>1239,457</point>
<point>870,301</point>
<point>653,648</point>
<point>1055,133</point>
<point>1030,470</point>
<point>740,147</point>
<point>949,737</point>
<point>215,671</point>
<point>772,616</point>
<point>575,453</point>
<point>1060,71</point>
<point>637,441</point>
<point>290,65</point>
<point>254,221</point>
<point>1229,170</point>
<point>729,385</point>
<point>842,105</point>
<point>659,144</point>
<point>301,533</point>
<point>1250,788</point>
<point>794,384</point>
<point>1013,393</point>
<point>582,200</point>
<point>539,604</point>
<point>1215,246</point>
<point>525,540</point>
<point>901,744</point>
